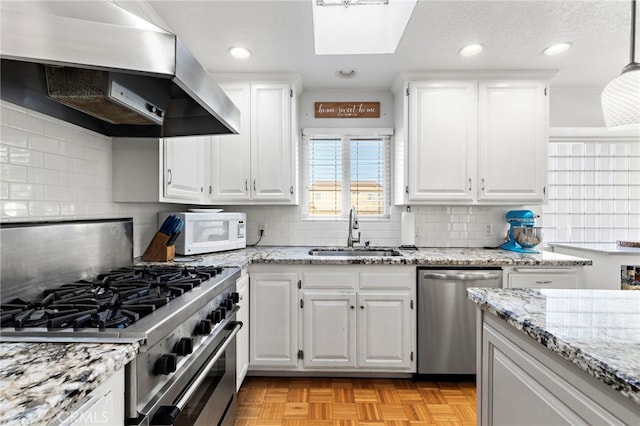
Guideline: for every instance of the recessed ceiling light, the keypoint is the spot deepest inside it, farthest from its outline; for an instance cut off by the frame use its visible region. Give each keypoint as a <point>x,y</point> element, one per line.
<point>558,48</point>
<point>239,52</point>
<point>346,72</point>
<point>471,50</point>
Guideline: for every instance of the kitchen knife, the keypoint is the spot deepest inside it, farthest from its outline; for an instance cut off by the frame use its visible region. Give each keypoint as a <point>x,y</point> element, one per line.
<point>166,226</point>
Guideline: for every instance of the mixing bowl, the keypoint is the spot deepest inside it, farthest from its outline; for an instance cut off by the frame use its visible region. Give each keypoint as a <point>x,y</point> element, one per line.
<point>527,236</point>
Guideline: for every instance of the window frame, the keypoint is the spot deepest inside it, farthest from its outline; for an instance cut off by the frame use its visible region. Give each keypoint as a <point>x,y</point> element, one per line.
<point>346,135</point>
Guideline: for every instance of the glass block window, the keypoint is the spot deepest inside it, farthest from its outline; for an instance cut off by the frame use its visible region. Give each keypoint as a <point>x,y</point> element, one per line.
<point>594,190</point>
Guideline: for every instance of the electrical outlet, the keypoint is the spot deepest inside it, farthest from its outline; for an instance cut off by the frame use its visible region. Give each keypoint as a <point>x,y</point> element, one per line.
<point>262,228</point>
<point>488,230</point>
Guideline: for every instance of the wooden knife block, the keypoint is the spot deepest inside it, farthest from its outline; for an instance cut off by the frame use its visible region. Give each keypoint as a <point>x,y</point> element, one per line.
<point>157,251</point>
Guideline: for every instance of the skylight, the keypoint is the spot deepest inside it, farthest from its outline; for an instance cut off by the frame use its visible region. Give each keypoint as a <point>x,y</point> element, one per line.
<point>360,28</point>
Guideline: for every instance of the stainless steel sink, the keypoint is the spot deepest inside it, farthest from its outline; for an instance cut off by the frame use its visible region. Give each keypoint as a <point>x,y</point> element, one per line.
<point>373,251</point>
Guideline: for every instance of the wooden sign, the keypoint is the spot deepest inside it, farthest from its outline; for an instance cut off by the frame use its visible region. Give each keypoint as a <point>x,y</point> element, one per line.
<point>347,109</point>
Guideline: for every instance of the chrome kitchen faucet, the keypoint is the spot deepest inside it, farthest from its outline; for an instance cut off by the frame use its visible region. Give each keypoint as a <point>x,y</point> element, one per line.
<point>353,224</point>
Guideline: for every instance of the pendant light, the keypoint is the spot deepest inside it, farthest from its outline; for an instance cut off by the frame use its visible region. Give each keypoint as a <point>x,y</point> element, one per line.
<point>621,97</point>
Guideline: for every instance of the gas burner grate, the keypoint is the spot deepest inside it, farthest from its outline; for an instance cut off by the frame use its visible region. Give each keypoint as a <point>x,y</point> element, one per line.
<point>115,299</point>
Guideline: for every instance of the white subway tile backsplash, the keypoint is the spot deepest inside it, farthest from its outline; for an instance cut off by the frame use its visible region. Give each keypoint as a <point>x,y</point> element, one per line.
<point>40,183</point>
<point>44,176</point>
<point>72,150</point>
<point>43,209</point>
<point>14,209</point>
<point>43,143</point>
<point>13,137</point>
<point>26,191</point>
<point>23,121</point>
<point>26,157</point>
<point>13,173</point>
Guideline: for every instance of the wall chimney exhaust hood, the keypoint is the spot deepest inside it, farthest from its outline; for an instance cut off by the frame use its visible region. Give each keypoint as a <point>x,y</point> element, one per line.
<point>96,65</point>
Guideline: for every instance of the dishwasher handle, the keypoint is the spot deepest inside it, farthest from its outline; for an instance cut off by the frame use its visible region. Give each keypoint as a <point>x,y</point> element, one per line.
<point>461,276</point>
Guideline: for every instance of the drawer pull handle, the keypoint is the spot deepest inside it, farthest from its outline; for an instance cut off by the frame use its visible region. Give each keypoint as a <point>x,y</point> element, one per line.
<point>544,282</point>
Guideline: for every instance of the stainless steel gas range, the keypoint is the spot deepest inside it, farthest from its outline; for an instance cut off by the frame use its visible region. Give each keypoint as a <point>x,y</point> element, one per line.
<point>183,316</point>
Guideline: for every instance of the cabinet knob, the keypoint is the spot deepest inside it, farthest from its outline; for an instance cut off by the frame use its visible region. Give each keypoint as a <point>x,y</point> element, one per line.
<point>361,307</point>
<point>352,307</point>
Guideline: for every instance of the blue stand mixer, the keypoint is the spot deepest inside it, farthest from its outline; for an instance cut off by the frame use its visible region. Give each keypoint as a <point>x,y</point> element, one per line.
<point>523,235</point>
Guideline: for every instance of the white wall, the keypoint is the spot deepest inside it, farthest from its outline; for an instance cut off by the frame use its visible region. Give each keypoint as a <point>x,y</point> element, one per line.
<point>575,107</point>
<point>51,170</point>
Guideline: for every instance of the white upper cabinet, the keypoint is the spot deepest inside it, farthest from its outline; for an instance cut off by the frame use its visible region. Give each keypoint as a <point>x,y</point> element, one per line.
<point>184,166</point>
<point>442,161</point>
<point>230,169</point>
<point>471,141</point>
<point>257,165</point>
<point>512,144</point>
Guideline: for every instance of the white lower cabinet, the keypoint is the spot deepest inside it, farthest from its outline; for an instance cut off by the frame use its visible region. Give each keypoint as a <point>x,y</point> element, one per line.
<point>105,405</point>
<point>546,277</point>
<point>384,330</point>
<point>273,329</point>
<point>352,318</point>
<point>329,329</point>
<point>524,383</point>
<point>242,338</point>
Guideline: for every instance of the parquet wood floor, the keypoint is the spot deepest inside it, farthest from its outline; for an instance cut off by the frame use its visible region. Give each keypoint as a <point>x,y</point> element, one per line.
<point>272,401</point>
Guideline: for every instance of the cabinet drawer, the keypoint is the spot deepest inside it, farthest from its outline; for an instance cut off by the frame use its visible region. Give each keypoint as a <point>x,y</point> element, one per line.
<point>381,281</point>
<point>329,280</point>
<point>543,281</point>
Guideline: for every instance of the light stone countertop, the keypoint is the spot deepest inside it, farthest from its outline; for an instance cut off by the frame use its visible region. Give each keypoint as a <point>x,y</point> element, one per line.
<point>606,248</point>
<point>39,381</point>
<point>422,257</point>
<point>597,330</point>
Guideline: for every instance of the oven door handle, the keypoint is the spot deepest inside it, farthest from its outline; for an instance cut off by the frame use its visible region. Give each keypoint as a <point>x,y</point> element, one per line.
<point>168,414</point>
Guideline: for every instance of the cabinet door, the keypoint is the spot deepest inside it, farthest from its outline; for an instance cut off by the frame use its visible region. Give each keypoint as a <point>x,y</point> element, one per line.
<point>384,330</point>
<point>271,150</point>
<point>442,140</point>
<point>184,164</point>
<point>273,320</point>
<point>513,122</point>
<point>329,329</point>
<point>242,338</point>
<point>231,154</point>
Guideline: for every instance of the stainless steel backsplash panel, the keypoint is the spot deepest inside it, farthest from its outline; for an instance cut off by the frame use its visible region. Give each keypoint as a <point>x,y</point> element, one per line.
<point>39,255</point>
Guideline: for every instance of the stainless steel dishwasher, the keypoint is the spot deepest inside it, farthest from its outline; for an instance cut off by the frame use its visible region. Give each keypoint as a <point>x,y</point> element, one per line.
<point>447,318</point>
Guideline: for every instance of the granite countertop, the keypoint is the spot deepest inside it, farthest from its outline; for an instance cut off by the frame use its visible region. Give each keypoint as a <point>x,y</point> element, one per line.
<point>39,381</point>
<point>597,330</point>
<point>423,256</point>
<point>606,248</point>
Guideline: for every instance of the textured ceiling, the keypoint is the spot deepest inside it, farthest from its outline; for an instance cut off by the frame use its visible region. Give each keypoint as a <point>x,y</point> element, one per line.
<point>280,35</point>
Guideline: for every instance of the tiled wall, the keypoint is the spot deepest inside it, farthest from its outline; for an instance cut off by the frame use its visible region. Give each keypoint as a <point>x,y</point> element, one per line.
<point>436,226</point>
<point>51,170</point>
<point>594,190</point>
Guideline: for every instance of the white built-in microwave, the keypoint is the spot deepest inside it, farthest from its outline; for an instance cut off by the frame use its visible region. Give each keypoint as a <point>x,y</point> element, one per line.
<point>206,232</point>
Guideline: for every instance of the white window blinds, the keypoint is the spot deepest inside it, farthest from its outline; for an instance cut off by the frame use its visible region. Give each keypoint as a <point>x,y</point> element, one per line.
<point>342,171</point>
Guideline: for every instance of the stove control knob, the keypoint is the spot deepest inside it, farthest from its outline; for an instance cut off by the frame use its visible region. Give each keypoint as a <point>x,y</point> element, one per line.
<point>228,304</point>
<point>216,316</point>
<point>235,297</point>
<point>184,346</point>
<point>223,312</point>
<point>166,364</point>
<point>204,328</point>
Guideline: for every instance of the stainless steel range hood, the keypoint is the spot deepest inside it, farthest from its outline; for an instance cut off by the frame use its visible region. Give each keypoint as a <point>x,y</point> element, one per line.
<point>98,66</point>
